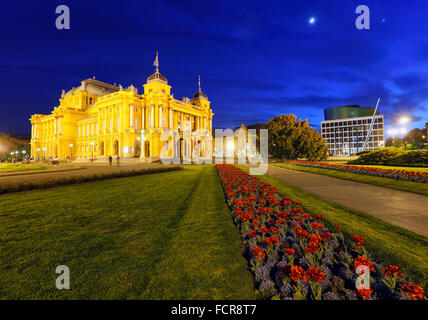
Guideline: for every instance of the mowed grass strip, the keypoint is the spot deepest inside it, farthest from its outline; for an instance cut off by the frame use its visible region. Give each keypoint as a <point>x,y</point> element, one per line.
<point>387,243</point>
<point>409,186</point>
<point>159,236</point>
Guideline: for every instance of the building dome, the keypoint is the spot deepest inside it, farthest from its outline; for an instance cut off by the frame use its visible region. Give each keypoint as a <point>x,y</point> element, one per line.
<point>199,94</point>
<point>157,77</point>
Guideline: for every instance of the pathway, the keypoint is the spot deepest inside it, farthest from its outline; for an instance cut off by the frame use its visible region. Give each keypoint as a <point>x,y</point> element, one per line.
<point>404,209</point>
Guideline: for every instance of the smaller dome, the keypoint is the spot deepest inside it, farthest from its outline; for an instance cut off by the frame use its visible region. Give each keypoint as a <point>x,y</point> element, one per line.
<point>157,77</point>
<point>200,94</point>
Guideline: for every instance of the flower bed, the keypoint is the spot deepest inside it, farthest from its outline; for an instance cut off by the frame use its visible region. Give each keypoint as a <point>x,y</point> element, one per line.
<point>414,176</point>
<point>292,255</point>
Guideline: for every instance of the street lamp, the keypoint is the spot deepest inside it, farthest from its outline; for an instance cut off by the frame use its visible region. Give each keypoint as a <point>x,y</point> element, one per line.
<point>404,120</point>
<point>44,153</point>
<point>38,153</point>
<point>142,139</point>
<point>71,151</point>
<point>92,150</point>
<point>392,132</point>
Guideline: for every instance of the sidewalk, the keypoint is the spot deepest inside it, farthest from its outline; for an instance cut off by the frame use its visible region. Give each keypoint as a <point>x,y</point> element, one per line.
<point>404,209</point>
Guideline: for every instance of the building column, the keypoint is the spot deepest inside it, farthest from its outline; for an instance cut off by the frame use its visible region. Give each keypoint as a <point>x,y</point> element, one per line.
<point>170,120</point>
<point>131,115</point>
<point>143,111</point>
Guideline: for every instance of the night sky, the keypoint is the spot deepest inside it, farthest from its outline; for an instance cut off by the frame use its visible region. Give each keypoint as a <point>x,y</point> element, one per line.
<point>255,61</point>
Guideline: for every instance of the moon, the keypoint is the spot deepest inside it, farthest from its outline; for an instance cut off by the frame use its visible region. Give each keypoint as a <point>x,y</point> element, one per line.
<point>312,20</point>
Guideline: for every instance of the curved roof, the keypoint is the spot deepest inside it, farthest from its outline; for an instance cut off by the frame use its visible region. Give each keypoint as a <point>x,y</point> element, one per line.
<point>200,94</point>
<point>93,87</point>
<point>157,77</point>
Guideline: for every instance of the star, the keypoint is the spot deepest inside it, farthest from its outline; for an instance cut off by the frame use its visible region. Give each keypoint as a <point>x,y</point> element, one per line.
<point>312,20</point>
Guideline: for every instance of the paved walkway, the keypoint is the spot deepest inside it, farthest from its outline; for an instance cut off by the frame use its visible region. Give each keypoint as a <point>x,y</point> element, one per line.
<point>404,209</point>
<point>69,170</point>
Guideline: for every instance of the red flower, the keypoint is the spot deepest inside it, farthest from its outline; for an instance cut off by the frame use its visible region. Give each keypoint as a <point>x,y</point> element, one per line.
<point>416,292</point>
<point>312,246</point>
<point>301,233</point>
<point>393,271</point>
<point>255,224</point>
<point>273,230</point>
<point>252,233</point>
<point>325,236</point>
<point>363,261</point>
<point>258,252</point>
<point>315,274</point>
<point>285,270</point>
<point>307,216</point>
<point>319,217</point>
<point>338,228</point>
<point>271,240</point>
<point>297,273</point>
<point>364,293</point>
<point>289,251</point>
<point>359,241</point>
<point>263,229</point>
<point>317,226</point>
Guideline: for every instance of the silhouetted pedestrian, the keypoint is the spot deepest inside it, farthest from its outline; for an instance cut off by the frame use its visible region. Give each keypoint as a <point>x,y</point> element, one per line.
<point>110,160</point>
<point>117,159</point>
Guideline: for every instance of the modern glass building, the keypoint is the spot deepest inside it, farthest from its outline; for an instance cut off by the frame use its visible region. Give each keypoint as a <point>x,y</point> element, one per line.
<point>345,129</point>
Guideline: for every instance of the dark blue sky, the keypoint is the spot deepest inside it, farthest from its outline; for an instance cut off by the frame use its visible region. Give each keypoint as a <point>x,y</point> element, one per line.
<point>257,59</point>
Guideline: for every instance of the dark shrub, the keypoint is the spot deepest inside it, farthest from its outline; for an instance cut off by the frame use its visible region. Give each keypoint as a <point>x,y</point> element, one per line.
<point>379,156</point>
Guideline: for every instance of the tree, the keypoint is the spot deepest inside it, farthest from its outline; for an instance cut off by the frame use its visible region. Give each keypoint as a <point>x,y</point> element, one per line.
<point>394,142</point>
<point>290,138</point>
<point>415,139</point>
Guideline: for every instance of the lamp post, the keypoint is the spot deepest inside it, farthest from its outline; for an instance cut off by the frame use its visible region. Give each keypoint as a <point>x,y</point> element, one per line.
<point>392,132</point>
<point>92,150</point>
<point>38,153</point>
<point>43,153</point>
<point>71,151</point>
<point>142,139</point>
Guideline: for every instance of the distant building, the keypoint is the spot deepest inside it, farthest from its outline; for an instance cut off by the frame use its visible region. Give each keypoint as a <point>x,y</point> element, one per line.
<point>345,129</point>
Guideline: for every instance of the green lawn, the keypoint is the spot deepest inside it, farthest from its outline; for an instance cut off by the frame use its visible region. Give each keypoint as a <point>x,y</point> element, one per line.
<point>158,236</point>
<point>387,243</point>
<point>409,186</point>
<point>11,167</point>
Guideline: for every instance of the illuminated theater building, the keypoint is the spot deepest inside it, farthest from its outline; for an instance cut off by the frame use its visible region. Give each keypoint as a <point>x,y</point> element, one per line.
<point>96,120</point>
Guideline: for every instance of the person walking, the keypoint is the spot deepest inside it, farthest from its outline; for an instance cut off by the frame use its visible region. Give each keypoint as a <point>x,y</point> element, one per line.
<point>118,159</point>
<point>110,160</point>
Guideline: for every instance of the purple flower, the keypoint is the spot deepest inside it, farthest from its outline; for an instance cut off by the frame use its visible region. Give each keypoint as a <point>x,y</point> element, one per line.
<point>331,295</point>
<point>262,273</point>
<point>267,288</point>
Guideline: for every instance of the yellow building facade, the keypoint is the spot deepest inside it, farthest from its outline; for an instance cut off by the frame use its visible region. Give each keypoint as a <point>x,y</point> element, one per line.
<point>97,120</point>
